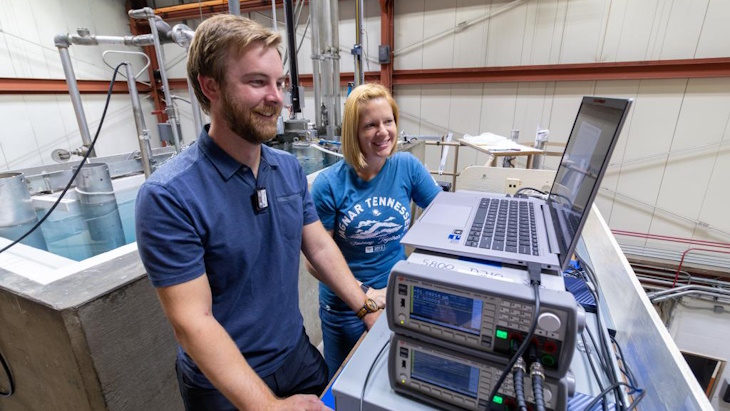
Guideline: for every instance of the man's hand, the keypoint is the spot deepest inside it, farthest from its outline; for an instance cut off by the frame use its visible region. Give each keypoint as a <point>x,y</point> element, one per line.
<point>377,295</point>
<point>299,402</point>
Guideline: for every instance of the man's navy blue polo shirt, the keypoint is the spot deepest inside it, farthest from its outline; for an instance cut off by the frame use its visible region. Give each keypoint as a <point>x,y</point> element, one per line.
<point>195,215</point>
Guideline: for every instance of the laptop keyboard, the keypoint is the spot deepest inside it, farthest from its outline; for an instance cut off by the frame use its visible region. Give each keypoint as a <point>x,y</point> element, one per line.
<point>504,225</point>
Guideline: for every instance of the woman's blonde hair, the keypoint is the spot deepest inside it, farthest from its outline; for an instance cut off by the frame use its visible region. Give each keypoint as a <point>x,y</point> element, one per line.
<point>351,121</point>
<point>214,39</point>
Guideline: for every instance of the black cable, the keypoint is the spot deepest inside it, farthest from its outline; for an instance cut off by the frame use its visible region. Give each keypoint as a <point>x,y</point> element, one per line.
<point>521,189</point>
<point>614,387</point>
<point>538,376</point>
<point>370,371</point>
<point>593,366</point>
<point>518,379</point>
<point>78,169</point>
<point>605,350</point>
<point>629,374</point>
<point>11,383</point>
<point>638,399</point>
<point>601,358</point>
<point>589,274</point>
<point>521,350</point>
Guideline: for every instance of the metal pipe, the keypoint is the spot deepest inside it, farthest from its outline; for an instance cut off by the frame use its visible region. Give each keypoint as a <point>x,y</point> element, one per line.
<point>143,135</point>
<point>73,91</point>
<point>169,107</point>
<point>234,7</point>
<point>98,206</point>
<point>292,46</point>
<point>273,14</point>
<point>357,50</point>
<point>541,139</point>
<point>336,108</point>
<point>183,35</point>
<point>18,214</point>
<point>315,13</point>
<point>690,292</point>
<point>686,288</point>
<point>84,38</point>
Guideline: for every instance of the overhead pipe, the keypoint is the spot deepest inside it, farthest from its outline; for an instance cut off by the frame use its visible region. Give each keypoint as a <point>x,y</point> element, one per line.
<point>684,254</point>
<point>83,37</point>
<point>658,296</point>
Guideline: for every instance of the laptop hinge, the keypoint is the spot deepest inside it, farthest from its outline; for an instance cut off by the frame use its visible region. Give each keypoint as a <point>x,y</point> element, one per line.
<point>551,229</point>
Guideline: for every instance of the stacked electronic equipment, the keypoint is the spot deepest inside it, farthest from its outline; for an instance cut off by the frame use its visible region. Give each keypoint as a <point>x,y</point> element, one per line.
<point>455,333</point>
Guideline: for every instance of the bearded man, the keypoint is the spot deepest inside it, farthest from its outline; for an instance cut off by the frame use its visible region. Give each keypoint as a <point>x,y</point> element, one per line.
<point>220,228</point>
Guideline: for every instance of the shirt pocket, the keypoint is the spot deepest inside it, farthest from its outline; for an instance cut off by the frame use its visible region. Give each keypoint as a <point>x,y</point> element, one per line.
<point>289,214</point>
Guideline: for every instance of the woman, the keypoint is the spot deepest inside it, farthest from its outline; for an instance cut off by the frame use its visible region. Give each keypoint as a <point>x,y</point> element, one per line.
<point>364,201</point>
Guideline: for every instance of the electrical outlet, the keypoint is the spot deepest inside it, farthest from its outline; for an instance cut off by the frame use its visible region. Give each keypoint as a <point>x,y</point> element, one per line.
<point>512,185</point>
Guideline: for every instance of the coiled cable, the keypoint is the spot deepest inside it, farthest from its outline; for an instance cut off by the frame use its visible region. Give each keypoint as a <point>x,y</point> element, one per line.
<point>518,377</point>
<point>538,377</point>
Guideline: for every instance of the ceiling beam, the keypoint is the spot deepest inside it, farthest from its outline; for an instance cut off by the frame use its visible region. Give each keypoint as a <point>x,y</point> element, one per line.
<point>53,86</point>
<point>633,70</point>
<point>630,70</point>
<point>206,8</point>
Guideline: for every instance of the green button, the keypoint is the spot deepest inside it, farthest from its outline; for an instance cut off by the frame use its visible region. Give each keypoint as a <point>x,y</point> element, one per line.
<point>497,399</point>
<point>502,334</point>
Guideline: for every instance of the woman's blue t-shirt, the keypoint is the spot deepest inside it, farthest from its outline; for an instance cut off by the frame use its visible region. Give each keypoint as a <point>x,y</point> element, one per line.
<point>370,217</point>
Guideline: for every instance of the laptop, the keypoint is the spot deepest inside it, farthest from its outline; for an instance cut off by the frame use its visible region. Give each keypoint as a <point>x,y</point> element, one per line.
<point>528,231</point>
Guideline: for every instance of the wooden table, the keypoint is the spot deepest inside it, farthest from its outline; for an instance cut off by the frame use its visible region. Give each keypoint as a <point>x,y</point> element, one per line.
<point>503,150</point>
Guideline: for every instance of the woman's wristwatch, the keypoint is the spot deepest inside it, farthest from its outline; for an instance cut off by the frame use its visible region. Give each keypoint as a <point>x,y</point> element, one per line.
<point>370,307</point>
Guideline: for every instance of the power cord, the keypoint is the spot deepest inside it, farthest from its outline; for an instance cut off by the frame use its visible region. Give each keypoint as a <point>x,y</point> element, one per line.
<point>370,371</point>
<point>78,169</point>
<point>523,189</point>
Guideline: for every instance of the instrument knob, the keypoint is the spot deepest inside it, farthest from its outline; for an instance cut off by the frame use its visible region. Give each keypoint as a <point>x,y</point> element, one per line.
<point>549,322</point>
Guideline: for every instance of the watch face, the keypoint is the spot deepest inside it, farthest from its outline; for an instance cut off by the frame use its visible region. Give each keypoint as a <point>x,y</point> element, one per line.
<point>371,305</point>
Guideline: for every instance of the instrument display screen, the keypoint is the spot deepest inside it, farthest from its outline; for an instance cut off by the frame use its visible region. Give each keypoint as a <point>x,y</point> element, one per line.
<point>448,310</point>
<point>444,373</point>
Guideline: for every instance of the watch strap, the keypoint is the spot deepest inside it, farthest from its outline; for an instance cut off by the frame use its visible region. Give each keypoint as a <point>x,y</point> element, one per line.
<point>370,307</point>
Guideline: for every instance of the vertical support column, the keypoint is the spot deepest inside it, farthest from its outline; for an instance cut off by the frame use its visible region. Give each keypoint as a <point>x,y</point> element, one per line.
<point>357,50</point>
<point>292,46</point>
<point>143,135</point>
<point>73,91</point>
<point>387,37</point>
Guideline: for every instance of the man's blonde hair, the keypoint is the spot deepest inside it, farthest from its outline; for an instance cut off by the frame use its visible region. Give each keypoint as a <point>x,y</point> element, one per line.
<point>351,121</point>
<point>214,40</point>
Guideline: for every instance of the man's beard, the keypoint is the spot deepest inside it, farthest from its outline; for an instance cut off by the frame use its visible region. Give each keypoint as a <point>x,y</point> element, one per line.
<point>246,123</point>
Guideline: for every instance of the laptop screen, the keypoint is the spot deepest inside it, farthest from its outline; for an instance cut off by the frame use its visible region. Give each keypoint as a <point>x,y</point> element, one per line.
<point>584,162</point>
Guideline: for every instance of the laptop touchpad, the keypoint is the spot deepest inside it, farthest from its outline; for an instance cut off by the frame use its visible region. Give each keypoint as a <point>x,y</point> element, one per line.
<point>448,215</point>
